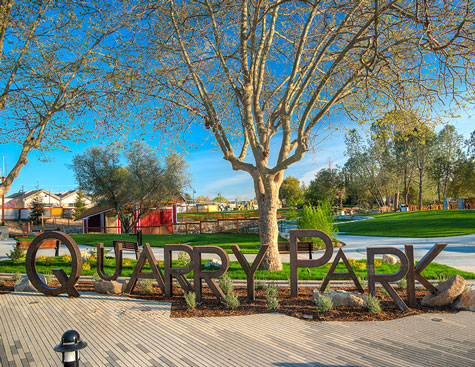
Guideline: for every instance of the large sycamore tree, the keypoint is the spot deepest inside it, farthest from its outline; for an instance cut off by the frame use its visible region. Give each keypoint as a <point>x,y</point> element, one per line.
<point>269,77</point>
<point>59,73</point>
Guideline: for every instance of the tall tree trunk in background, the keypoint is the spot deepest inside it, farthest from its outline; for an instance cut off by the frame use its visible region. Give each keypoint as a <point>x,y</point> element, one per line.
<point>396,201</point>
<point>420,188</point>
<point>438,191</point>
<point>267,194</point>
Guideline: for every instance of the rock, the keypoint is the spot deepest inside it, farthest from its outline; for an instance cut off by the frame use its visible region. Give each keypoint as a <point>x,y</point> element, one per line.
<point>24,285</point>
<point>447,292</point>
<point>342,298</point>
<point>4,233</point>
<point>109,286</point>
<point>390,259</point>
<point>466,301</point>
<point>214,262</point>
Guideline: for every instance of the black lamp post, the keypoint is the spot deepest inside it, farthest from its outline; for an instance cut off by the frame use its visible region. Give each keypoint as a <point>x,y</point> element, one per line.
<point>70,346</point>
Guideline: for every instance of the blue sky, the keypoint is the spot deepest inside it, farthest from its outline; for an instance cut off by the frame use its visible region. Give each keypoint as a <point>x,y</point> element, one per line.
<point>210,172</point>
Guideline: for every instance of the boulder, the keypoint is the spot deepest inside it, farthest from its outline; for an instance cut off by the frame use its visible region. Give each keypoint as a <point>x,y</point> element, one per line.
<point>24,285</point>
<point>390,259</point>
<point>109,286</point>
<point>447,292</point>
<point>342,298</point>
<point>213,262</point>
<point>466,301</point>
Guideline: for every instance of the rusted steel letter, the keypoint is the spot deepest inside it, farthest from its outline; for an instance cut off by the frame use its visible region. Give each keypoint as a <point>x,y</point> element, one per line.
<point>249,270</point>
<point>349,274</point>
<point>67,284</point>
<point>296,263</point>
<point>384,279</point>
<point>156,273</point>
<point>177,272</point>
<point>415,271</point>
<point>100,261</point>
<point>199,274</point>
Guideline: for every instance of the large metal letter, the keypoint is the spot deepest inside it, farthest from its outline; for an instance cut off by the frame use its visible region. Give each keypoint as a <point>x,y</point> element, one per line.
<point>156,273</point>
<point>296,263</point>
<point>100,261</point>
<point>350,274</point>
<point>178,272</point>
<point>199,274</point>
<point>384,279</point>
<point>67,284</point>
<point>415,271</point>
<point>250,271</point>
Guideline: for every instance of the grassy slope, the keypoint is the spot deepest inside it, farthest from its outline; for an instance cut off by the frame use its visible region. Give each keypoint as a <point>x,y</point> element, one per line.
<point>438,223</point>
<point>433,271</point>
<point>249,243</point>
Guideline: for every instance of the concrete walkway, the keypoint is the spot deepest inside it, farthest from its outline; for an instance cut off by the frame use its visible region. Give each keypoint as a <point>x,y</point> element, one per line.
<point>128,332</point>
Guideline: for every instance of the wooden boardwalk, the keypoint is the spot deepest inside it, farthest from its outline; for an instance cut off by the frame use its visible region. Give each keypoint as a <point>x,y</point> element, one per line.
<point>128,332</point>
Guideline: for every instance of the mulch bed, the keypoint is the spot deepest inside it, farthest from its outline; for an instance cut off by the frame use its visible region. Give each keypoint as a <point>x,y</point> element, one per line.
<point>301,307</point>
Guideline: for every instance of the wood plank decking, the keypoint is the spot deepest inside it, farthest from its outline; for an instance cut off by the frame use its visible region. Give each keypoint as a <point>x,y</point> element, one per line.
<point>128,332</point>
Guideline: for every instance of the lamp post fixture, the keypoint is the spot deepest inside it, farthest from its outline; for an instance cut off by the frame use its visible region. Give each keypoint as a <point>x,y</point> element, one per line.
<point>70,346</point>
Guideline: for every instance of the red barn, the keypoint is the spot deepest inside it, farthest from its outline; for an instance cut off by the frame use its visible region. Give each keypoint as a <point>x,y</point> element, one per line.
<point>105,220</point>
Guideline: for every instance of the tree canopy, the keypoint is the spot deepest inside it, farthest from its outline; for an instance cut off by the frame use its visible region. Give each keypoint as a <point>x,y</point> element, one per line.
<point>270,78</point>
<point>291,192</point>
<point>61,75</point>
<point>146,182</point>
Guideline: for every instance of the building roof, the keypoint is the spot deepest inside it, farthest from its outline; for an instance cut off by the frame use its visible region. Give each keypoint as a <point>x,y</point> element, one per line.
<point>26,194</point>
<point>94,211</point>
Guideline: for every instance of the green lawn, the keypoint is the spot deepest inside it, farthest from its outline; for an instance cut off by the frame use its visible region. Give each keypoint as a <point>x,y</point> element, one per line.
<point>45,265</point>
<point>436,223</point>
<point>249,243</point>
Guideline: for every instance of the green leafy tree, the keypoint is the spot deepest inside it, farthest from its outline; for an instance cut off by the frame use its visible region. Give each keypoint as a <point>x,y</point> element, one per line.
<point>448,151</point>
<point>146,182</point>
<point>319,217</point>
<point>79,204</point>
<point>203,199</point>
<point>60,76</point>
<point>290,191</point>
<point>325,186</point>
<point>37,209</point>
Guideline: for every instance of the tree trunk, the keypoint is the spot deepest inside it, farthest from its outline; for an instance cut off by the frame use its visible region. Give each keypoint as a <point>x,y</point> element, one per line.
<point>396,201</point>
<point>420,188</point>
<point>267,194</point>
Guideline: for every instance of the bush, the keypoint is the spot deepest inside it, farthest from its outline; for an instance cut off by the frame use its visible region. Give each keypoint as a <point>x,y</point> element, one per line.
<point>146,284</point>
<point>16,254</point>
<point>231,301</point>
<point>183,259</point>
<point>16,276</point>
<point>50,261</point>
<point>190,299</point>
<point>324,303</point>
<point>48,276</point>
<point>402,283</point>
<point>260,283</point>
<point>318,218</point>
<point>272,301</point>
<point>2,282</point>
<point>362,281</point>
<point>226,283</point>
<point>373,305</point>
<point>383,291</point>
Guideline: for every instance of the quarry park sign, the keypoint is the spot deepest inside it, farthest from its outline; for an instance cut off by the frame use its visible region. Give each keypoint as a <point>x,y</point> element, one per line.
<point>165,279</point>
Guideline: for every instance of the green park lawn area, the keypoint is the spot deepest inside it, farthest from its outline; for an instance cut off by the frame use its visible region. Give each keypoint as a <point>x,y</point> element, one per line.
<point>248,243</point>
<point>45,265</point>
<point>436,223</point>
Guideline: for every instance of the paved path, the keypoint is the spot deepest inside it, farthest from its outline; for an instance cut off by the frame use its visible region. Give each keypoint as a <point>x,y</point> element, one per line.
<point>128,332</point>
